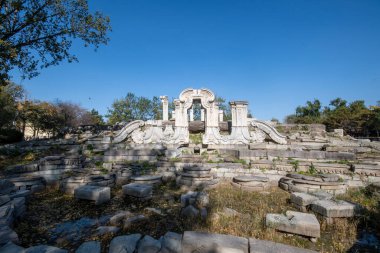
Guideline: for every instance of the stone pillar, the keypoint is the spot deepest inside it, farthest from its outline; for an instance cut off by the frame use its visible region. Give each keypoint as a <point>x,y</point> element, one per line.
<point>173,114</point>
<point>239,131</point>
<point>165,107</point>
<point>191,114</point>
<point>221,115</point>
<point>202,114</point>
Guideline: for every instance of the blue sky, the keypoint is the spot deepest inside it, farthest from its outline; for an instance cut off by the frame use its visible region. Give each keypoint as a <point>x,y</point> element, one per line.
<point>275,54</point>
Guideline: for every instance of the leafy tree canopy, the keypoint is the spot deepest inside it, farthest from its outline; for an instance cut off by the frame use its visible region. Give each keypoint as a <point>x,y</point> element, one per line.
<point>355,118</point>
<point>132,107</point>
<point>36,34</point>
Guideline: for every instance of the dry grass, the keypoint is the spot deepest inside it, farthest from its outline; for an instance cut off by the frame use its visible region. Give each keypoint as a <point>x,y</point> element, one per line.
<point>338,237</point>
<point>47,209</point>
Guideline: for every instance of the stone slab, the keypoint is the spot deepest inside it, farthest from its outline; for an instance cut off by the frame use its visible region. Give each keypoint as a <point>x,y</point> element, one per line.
<point>44,249</point>
<point>334,209</point>
<point>10,247</point>
<point>204,243</point>
<point>4,199</point>
<point>262,246</point>
<point>7,235</point>
<point>137,190</point>
<point>90,192</point>
<point>250,179</point>
<point>294,222</point>
<point>6,186</point>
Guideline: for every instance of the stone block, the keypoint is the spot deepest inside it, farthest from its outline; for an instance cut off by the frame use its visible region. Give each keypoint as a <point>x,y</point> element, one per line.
<point>138,190</point>
<point>10,247</point>
<point>7,235</point>
<point>148,245</point>
<point>262,246</point>
<point>171,243</point>
<point>334,208</point>
<point>294,222</point>
<point>20,208</point>
<point>190,212</point>
<point>4,199</point>
<point>302,199</point>
<point>96,193</point>
<point>89,247</point>
<point>6,186</point>
<point>205,243</point>
<point>7,213</point>
<point>44,249</point>
<point>124,244</point>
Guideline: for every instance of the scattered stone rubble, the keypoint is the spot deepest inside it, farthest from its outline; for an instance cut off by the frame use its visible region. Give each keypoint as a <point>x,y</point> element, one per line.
<point>171,242</point>
<point>194,204</point>
<point>323,204</point>
<point>91,160</point>
<point>12,207</point>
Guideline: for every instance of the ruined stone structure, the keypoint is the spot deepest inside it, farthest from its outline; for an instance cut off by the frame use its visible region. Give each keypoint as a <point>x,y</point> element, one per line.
<point>243,130</point>
<point>247,153</point>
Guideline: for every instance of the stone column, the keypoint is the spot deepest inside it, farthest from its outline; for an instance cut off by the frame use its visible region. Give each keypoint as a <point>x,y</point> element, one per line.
<point>165,107</point>
<point>173,114</point>
<point>191,114</point>
<point>202,114</point>
<point>221,115</point>
<point>239,131</point>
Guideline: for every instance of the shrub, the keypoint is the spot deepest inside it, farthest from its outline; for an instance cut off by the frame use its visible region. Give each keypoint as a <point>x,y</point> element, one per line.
<point>10,136</point>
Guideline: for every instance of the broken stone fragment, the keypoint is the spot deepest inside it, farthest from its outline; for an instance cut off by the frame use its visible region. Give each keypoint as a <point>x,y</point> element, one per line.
<point>124,244</point>
<point>205,242</point>
<point>171,243</point>
<point>190,212</point>
<point>148,245</point>
<point>295,222</point>
<point>89,247</point>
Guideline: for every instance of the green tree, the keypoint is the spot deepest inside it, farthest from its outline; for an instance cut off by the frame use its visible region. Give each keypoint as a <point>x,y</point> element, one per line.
<point>96,118</point>
<point>122,110</point>
<point>37,34</point>
<point>10,96</point>
<point>156,108</point>
<point>373,124</point>
<point>310,113</point>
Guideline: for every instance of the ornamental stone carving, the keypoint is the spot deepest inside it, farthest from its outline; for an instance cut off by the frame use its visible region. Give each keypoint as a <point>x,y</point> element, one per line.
<point>243,130</point>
